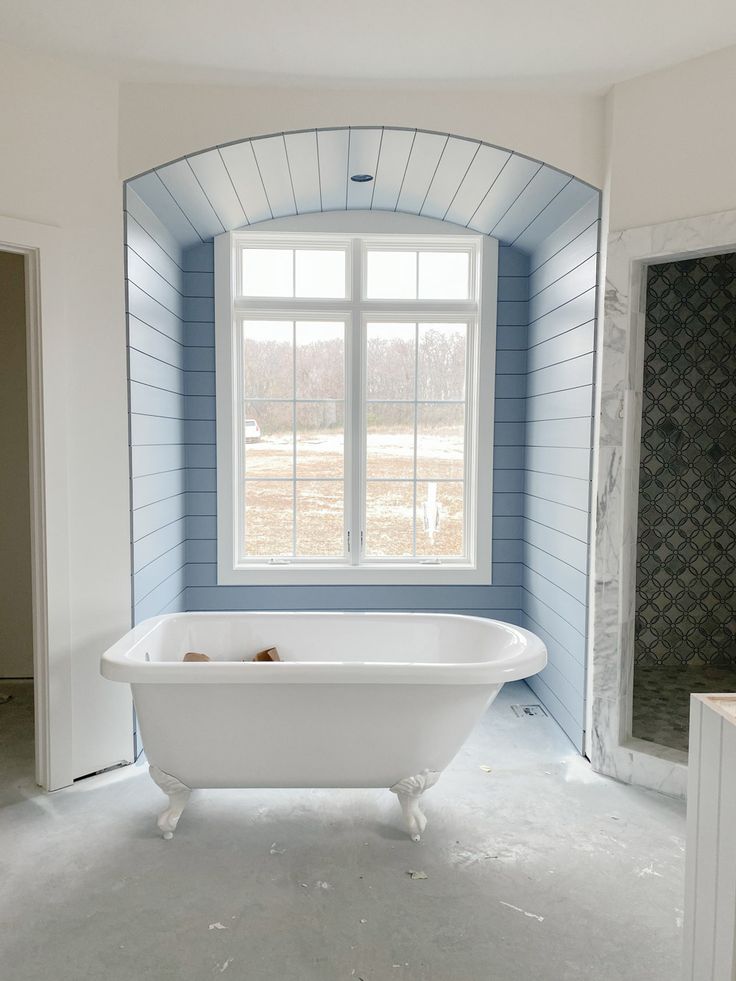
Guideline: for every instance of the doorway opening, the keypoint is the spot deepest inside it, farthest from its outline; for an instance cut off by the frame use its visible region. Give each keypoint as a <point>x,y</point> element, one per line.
<point>17,743</point>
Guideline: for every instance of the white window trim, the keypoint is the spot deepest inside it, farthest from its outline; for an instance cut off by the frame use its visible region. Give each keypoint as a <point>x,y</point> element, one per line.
<point>479,459</point>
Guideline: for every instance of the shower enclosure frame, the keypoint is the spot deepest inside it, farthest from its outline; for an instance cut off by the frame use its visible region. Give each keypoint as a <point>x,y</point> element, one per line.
<point>612,748</point>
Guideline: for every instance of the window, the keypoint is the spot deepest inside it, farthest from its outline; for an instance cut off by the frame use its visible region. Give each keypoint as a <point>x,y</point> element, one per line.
<point>354,407</point>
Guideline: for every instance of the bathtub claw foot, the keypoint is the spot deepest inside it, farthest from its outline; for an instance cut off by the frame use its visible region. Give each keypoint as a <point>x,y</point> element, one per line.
<point>409,791</point>
<point>178,794</point>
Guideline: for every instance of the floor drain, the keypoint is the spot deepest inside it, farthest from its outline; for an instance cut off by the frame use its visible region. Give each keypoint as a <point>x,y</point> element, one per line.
<point>522,710</point>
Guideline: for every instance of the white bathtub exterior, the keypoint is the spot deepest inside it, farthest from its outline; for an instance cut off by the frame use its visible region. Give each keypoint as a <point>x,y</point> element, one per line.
<point>359,700</point>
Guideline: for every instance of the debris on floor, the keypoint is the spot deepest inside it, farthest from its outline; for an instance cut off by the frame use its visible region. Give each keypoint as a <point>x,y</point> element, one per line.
<point>275,850</point>
<point>217,926</point>
<point>412,873</point>
<point>485,768</point>
<point>533,916</point>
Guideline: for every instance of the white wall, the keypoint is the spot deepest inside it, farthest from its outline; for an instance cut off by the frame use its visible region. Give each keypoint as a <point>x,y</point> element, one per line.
<point>673,142</point>
<point>161,122</point>
<point>58,166</point>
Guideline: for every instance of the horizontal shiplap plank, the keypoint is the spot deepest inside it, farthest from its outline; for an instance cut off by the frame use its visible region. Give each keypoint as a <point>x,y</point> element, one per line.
<point>571,491</point>
<point>158,571</point>
<point>574,283</point>
<point>149,370</point>
<point>570,662</point>
<point>512,262</point>
<point>186,190</point>
<point>199,407</point>
<point>155,344</point>
<point>150,311</point>
<point>157,487</point>
<point>552,595</point>
<point>152,252</point>
<point>559,712</point>
<point>572,404</point>
<point>563,347</point>
<point>565,233</point>
<point>561,461</point>
<point>557,543</point>
<point>513,288</point>
<point>199,359</point>
<point>154,430</point>
<point>570,256</point>
<point>560,432</point>
<point>512,314</point>
<point>511,338</point>
<point>509,409</point>
<point>154,284</point>
<point>147,460</point>
<point>150,223</point>
<point>151,546</point>
<point>452,598</point>
<point>198,383</point>
<point>154,193</point>
<point>573,196</point>
<point>199,258</point>
<point>560,517</point>
<point>161,597</point>
<point>557,626</point>
<point>154,516</point>
<point>198,284</point>
<point>568,578</point>
<point>574,312</point>
<point>151,401</point>
<point>201,456</point>
<point>532,202</point>
<point>505,190</point>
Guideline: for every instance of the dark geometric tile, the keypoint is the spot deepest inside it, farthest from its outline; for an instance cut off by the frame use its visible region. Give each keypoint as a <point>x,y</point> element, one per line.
<point>686,550</point>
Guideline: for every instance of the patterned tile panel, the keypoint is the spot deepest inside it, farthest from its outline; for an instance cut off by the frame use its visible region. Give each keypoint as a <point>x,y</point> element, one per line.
<point>686,562</point>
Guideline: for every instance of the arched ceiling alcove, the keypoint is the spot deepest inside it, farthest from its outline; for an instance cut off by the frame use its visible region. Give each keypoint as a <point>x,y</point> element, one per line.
<point>485,188</point>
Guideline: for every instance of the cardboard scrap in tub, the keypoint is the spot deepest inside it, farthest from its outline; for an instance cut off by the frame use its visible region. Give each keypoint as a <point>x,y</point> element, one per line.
<point>268,654</point>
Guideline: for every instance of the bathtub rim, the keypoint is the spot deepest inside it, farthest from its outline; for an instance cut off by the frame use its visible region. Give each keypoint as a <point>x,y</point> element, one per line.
<point>527,658</point>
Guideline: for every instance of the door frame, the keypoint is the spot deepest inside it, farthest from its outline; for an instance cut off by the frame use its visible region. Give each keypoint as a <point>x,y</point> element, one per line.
<point>42,249</point>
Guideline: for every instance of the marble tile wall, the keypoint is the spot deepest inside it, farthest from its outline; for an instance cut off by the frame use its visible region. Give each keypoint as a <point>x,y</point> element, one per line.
<point>612,749</point>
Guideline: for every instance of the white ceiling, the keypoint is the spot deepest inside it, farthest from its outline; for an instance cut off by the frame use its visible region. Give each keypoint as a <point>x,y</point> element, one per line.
<point>583,44</point>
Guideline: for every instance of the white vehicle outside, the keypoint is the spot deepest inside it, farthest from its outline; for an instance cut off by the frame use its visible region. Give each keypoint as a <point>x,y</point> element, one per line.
<point>252,431</point>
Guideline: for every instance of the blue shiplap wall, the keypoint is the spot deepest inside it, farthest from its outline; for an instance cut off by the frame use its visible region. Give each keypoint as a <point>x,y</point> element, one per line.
<point>156,370</point>
<point>544,380</point>
<point>502,599</point>
<point>557,459</point>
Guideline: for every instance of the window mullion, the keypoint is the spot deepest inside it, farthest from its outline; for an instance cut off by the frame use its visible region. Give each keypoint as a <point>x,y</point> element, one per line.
<point>416,422</point>
<point>294,436</point>
<point>356,409</point>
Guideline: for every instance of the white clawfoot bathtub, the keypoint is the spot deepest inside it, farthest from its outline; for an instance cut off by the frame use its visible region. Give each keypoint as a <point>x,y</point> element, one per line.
<point>358,700</point>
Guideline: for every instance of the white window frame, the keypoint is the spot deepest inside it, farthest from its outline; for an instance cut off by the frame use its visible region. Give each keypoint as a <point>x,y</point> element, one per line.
<point>231,309</point>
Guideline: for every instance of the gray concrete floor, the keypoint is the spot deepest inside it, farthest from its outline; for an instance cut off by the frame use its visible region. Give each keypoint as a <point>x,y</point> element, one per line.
<point>538,869</point>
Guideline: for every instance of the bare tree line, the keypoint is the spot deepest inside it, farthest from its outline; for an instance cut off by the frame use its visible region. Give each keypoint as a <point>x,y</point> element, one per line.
<point>270,372</point>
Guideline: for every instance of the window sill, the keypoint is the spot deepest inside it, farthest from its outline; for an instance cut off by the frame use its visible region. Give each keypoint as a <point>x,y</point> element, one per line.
<point>375,575</point>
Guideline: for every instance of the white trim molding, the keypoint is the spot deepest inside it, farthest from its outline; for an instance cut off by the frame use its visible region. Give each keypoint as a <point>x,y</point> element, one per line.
<point>613,750</point>
<point>42,247</point>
